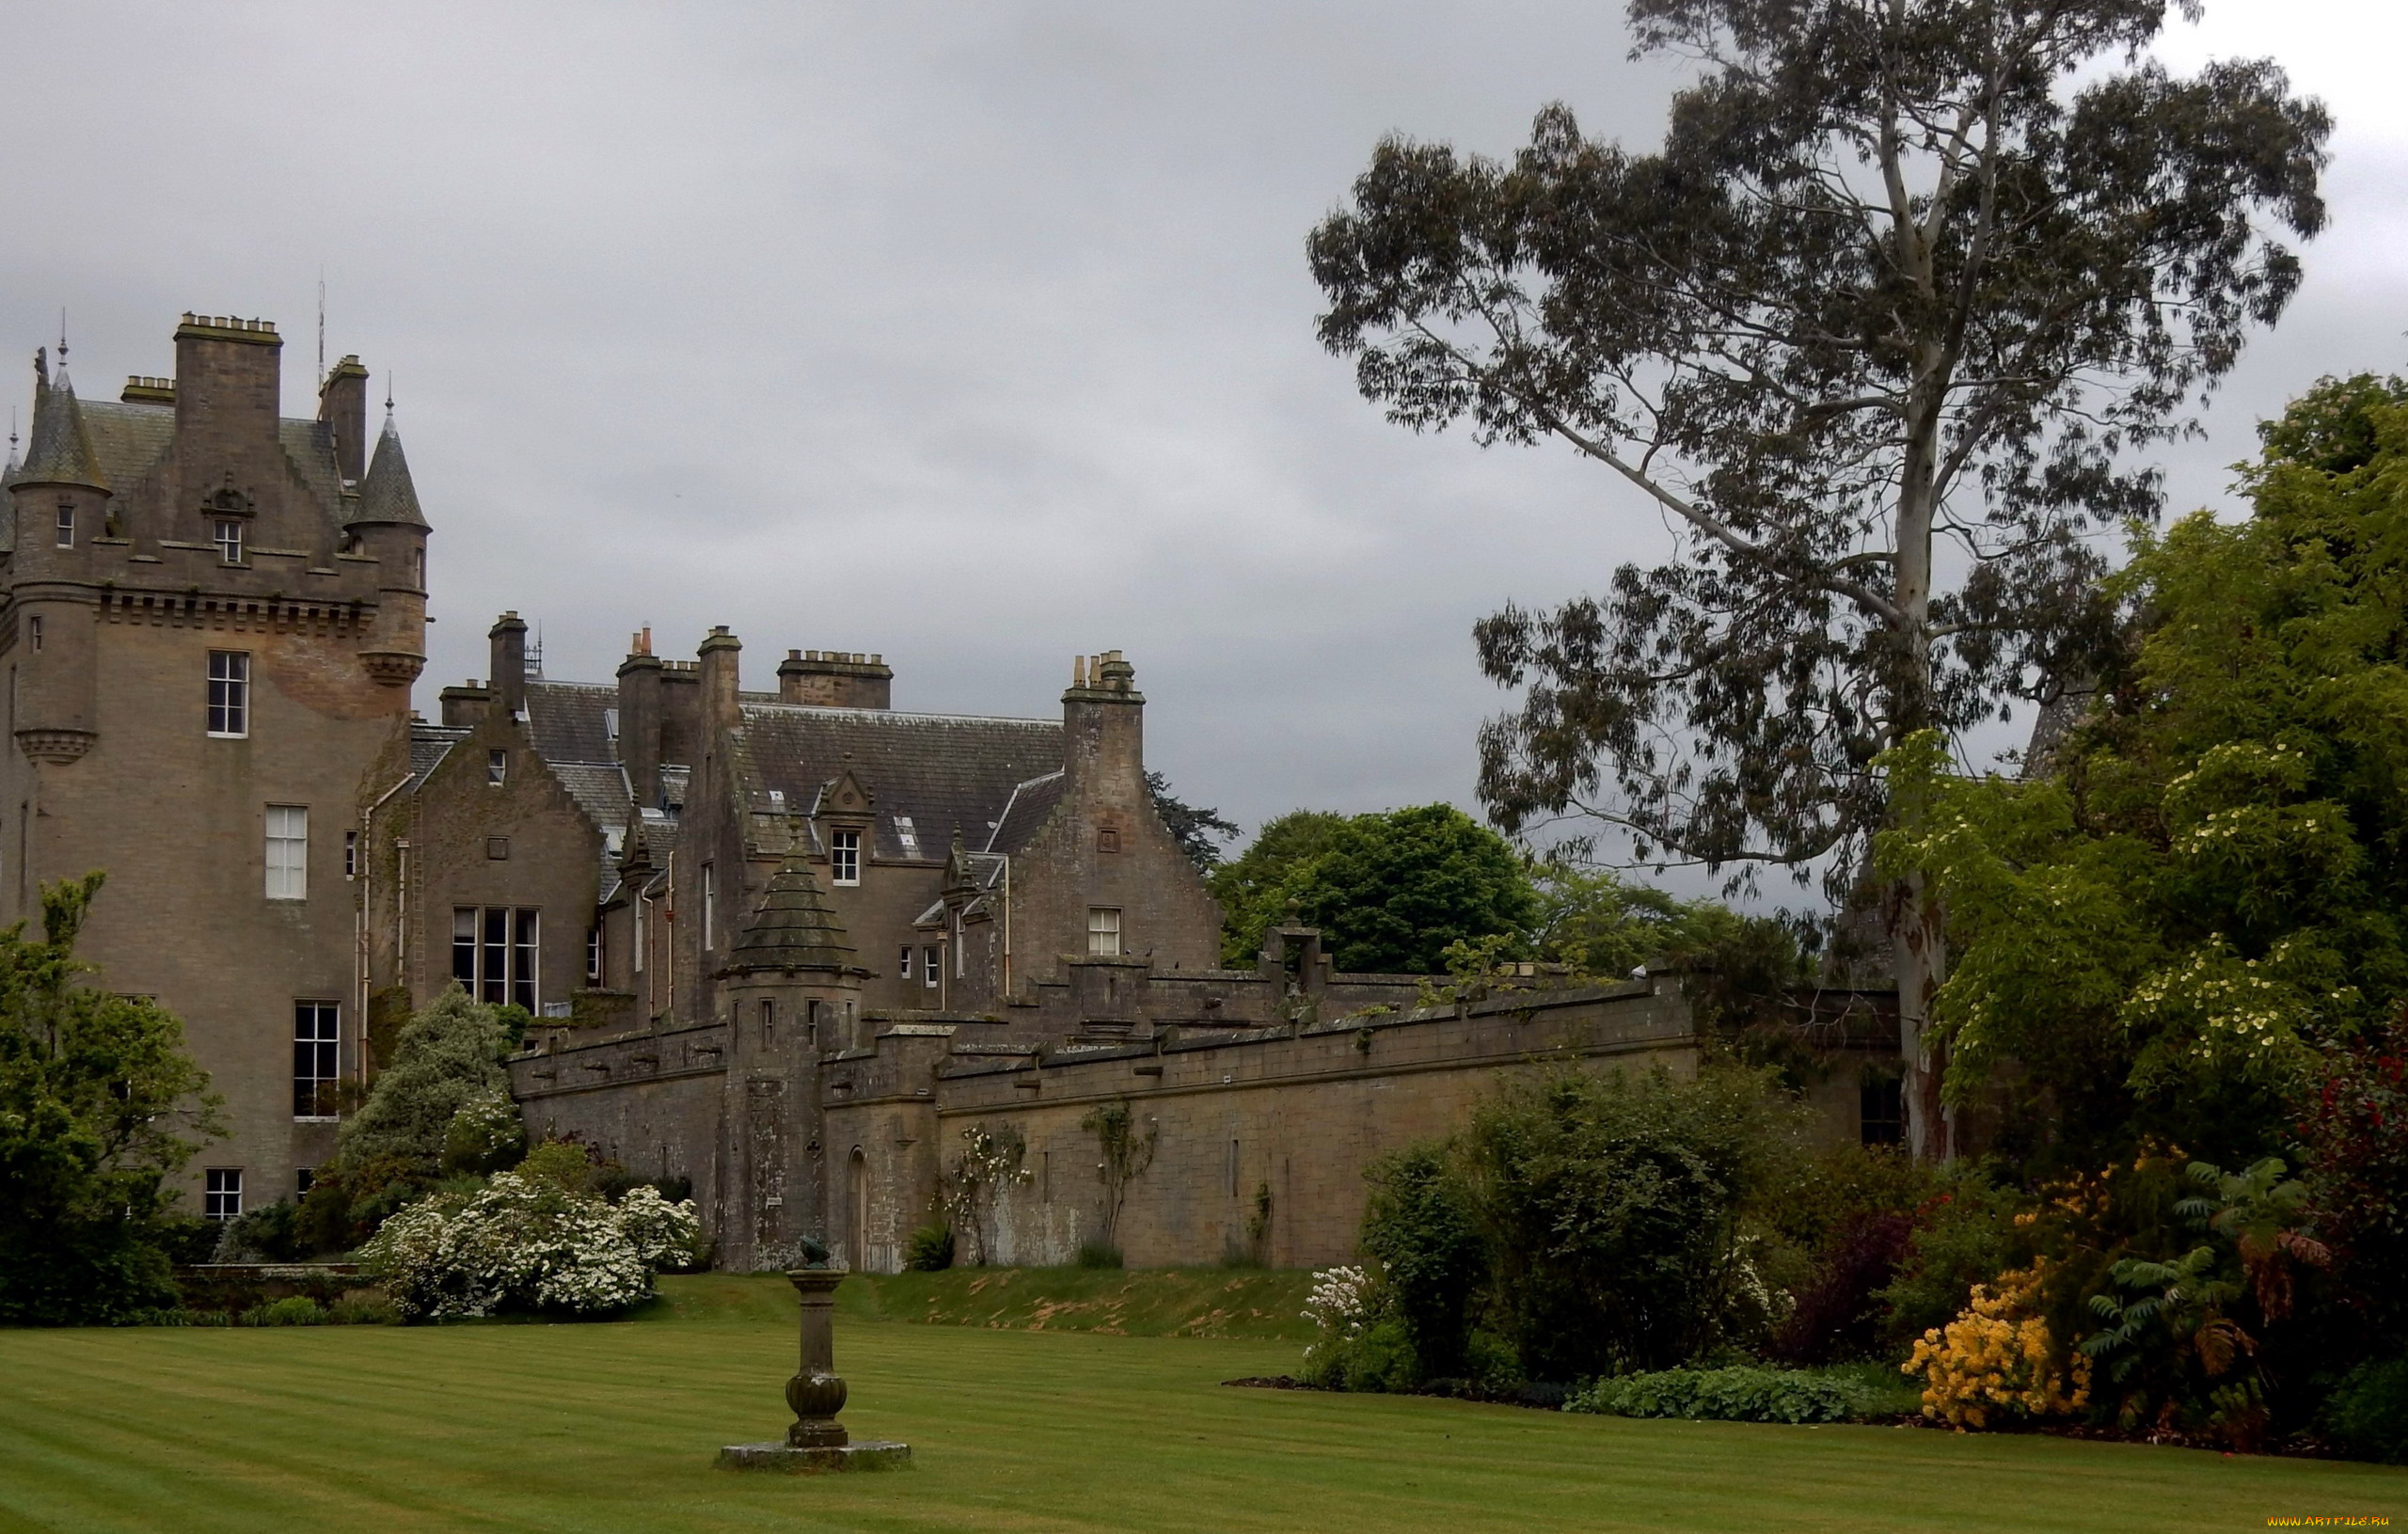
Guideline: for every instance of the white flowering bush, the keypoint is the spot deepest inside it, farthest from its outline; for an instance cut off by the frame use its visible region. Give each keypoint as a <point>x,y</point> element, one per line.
<point>1340,1303</point>
<point>527,1244</point>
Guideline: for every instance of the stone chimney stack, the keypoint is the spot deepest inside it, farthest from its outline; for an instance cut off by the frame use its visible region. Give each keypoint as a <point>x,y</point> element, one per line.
<point>342,405</point>
<point>509,679</point>
<point>1104,720</point>
<point>228,370</point>
<point>640,721</point>
<point>835,679</point>
<point>722,708</point>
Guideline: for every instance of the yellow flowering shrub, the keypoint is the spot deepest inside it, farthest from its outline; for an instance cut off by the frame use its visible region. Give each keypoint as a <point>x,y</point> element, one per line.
<point>1997,1356</point>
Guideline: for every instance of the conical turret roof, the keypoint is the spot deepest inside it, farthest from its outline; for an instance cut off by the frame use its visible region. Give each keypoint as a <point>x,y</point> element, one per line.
<point>793,929</point>
<point>61,451</point>
<point>385,494</point>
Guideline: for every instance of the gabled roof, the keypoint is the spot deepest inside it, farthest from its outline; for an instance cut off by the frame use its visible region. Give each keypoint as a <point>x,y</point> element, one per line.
<point>129,439</point>
<point>941,771</point>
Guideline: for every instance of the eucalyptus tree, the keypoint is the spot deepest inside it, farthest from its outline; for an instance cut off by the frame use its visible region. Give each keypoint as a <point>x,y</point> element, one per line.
<point>1883,329</point>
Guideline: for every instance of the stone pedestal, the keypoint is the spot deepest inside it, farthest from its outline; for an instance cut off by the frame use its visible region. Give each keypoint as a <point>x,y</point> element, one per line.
<point>815,1441</point>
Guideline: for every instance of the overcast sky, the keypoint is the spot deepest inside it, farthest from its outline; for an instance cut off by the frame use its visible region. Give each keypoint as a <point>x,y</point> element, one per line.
<point>975,335</point>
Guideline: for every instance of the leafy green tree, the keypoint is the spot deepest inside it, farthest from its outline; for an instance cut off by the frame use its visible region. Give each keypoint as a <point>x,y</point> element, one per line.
<point>2204,894</point>
<point>437,1097</point>
<point>1877,327</point>
<point>1391,892</point>
<point>1252,887</point>
<point>100,1106</point>
<point>1199,832</point>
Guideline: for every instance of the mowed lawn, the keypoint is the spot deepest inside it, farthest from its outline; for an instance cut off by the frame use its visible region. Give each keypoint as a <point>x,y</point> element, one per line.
<point>614,1428</point>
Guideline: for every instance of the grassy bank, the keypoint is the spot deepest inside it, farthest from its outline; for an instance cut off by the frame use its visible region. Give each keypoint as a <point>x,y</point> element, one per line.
<point>1262,1306</point>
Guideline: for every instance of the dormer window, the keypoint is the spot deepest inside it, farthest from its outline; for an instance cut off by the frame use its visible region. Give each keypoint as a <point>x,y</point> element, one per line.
<point>844,856</point>
<point>67,523</point>
<point>229,533</point>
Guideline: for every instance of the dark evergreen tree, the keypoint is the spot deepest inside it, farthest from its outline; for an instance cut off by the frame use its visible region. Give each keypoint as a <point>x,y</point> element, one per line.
<point>1879,327</point>
<point>1198,830</point>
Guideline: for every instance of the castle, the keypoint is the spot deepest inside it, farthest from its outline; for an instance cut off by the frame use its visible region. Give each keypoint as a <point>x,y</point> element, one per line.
<point>785,944</point>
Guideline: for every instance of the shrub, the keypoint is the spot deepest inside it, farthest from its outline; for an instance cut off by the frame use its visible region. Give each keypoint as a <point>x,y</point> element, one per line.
<point>1963,1234</point>
<point>1420,1226</point>
<point>484,1136</point>
<point>1612,1210</point>
<point>1998,1358</point>
<point>1100,1255</point>
<point>362,1308</point>
<point>267,1233</point>
<point>1359,1343</point>
<point>1720,1395</point>
<point>929,1250</point>
<point>2367,1415</point>
<point>293,1310</point>
<point>526,1243</point>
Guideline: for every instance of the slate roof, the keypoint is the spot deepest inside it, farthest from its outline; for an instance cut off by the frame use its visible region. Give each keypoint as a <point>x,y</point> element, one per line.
<point>1030,803</point>
<point>792,928</point>
<point>600,791</point>
<point>129,439</point>
<point>429,745</point>
<point>570,721</point>
<point>60,449</point>
<point>941,770</point>
<point>386,492</point>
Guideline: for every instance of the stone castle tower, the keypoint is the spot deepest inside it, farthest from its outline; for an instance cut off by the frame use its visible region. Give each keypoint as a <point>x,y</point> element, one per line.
<point>212,614</point>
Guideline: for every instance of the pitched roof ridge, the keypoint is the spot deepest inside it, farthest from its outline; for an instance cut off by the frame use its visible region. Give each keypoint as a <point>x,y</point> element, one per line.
<point>822,711</point>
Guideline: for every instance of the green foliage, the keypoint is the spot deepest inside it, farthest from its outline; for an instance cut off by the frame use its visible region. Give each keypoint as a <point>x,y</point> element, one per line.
<point>362,1308</point>
<point>1600,924</point>
<point>928,1250</point>
<point>439,1109</point>
<point>2205,893</point>
<point>448,1057</point>
<point>485,1136</point>
<point>2180,1333</point>
<point>1614,1208</point>
<point>1851,1215</point>
<point>263,1233</point>
<point>1964,1235</point>
<point>1100,1255</point>
<point>100,1106</point>
<point>1380,1358</point>
<point>293,1310</point>
<point>1720,1395</point>
<point>1420,1225</point>
<point>2368,1413</point>
<point>1391,892</point>
<point>1252,887</point>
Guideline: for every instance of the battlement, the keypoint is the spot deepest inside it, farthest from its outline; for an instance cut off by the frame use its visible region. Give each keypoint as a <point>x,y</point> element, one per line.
<point>228,328</point>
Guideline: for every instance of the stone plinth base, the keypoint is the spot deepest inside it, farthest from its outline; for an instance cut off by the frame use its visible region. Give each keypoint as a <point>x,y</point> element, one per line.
<point>867,1454</point>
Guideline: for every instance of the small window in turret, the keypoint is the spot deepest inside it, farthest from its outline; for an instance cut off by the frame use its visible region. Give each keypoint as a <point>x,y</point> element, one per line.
<point>33,633</point>
<point>67,523</point>
<point>229,540</point>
